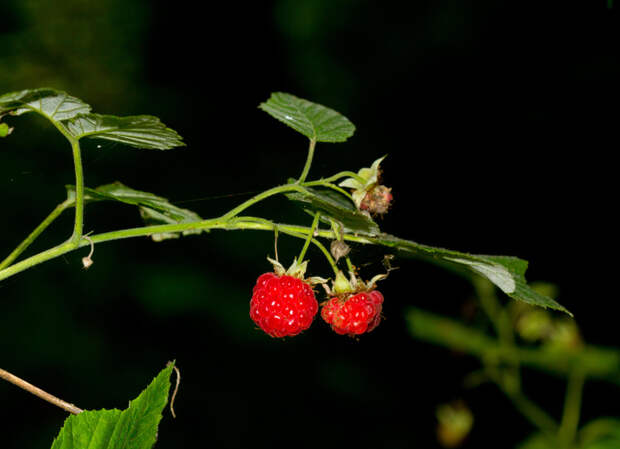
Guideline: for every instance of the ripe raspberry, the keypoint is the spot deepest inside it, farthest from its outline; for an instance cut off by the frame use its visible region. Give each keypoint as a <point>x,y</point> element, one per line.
<point>377,200</point>
<point>282,305</point>
<point>355,314</point>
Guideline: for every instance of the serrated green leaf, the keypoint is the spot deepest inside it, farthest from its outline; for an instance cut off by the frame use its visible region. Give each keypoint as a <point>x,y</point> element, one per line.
<point>334,205</point>
<point>73,115</point>
<point>89,429</point>
<point>153,209</point>
<point>140,131</point>
<point>132,428</point>
<point>313,120</point>
<point>54,104</point>
<point>507,273</point>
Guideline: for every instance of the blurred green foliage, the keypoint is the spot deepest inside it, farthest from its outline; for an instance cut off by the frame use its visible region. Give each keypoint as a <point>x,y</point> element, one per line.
<point>90,48</point>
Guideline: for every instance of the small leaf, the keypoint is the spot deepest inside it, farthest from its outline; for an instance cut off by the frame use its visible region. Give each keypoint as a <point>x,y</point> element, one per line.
<point>313,120</point>
<point>141,131</point>
<point>154,209</point>
<point>53,104</point>
<point>132,428</point>
<point>337,206</point>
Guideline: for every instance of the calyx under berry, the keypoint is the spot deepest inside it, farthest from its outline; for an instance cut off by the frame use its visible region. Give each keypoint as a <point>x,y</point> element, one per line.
<point>296,270</point>
<point>341,286</point>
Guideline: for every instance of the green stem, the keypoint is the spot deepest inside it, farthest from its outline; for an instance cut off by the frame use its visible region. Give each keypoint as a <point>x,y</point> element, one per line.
<point>330,186</point>
<point>572,407</point>
<point>484,292</point>
<point>509,378</point>
<point>533,413</point>
<point>328,256</point>
<point>500,319</point>
<point>79,193</point>
<point>238,223</point>
<point>315,222</point>
<point>261,196</point>
<point>34,234</point>
<point>37,259</point>
<point>529,409</point>
<point>342,174</point>
<point>304,173</point>
<point>350,264</point>
<point>319,245</point>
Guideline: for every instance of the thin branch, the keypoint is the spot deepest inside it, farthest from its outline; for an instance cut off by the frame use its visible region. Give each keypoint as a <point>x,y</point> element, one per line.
<point>572,406</point>
<point>528,408</point>
<point>38,392</point>
<point>34,234</point>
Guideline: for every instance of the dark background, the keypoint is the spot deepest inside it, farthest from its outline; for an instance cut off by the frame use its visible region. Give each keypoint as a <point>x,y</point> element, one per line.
<point>496,117</point>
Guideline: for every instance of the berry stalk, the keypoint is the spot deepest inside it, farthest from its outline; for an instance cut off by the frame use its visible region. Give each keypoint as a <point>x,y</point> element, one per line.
<point>315,222</point>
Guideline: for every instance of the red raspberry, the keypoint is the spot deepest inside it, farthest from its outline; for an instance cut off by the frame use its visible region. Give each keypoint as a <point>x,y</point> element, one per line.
<point>282,305</point>
<point>354,315</point>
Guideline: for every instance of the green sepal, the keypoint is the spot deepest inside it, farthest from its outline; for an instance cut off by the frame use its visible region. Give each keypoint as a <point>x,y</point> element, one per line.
<point>296,270</point>
<point>344,287</point>
<point>341,285</point>
<point>370,177</point>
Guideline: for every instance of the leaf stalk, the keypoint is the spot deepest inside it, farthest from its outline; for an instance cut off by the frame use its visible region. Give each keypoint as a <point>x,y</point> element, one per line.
<point>309,158</point>
<point>79,192</point>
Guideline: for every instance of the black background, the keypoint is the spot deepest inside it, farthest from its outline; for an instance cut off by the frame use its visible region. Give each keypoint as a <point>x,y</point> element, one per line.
<point>498,119</point>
